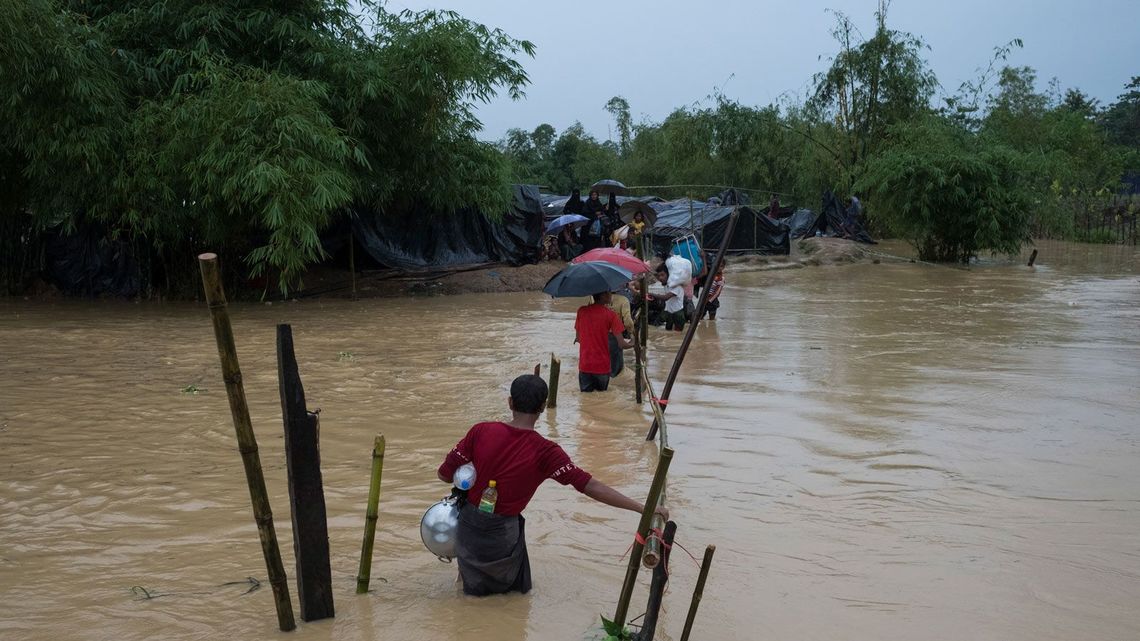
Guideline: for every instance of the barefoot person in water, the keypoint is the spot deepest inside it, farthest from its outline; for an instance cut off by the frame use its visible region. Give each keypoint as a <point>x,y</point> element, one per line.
<point>491,546</point>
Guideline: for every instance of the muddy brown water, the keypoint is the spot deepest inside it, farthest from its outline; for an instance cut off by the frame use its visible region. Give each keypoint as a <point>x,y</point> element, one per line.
<point>878,451</point>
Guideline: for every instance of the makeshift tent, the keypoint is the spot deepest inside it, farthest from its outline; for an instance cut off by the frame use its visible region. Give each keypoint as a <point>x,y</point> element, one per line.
<point>830,221</point>
<point>755,233</point>
<point>421,239</point>
<point>87,261</point>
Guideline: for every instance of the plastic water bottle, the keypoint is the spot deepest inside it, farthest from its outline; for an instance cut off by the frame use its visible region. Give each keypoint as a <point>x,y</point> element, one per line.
<point>464,477</point>
<point>490,497</point>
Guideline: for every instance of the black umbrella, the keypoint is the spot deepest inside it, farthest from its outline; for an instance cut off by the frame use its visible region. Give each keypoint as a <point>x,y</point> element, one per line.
<point>631,207</point>
<point>586,279</point>
<point>609,186</point>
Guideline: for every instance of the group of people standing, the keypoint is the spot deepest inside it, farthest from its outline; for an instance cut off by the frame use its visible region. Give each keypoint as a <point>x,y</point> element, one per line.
<point>601,228</point>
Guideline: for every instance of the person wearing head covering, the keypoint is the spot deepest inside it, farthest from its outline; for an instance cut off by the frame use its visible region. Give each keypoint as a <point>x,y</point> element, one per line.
<point>573,204</point>
<point>594,233</point>
<point>774,207</point>
<point>490,542</point>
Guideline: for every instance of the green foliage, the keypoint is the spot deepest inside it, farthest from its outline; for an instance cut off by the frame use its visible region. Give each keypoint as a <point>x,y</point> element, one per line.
<point>615,632</point>
<point>245,127</point>
<point>947,193</point>
<point>1122,119</point>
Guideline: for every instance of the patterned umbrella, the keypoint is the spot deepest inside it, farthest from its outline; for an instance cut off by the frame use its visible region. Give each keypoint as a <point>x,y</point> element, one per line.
<point>615,256</point>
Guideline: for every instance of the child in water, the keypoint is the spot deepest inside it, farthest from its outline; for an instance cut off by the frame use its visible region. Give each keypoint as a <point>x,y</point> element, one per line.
<point>715,288</point>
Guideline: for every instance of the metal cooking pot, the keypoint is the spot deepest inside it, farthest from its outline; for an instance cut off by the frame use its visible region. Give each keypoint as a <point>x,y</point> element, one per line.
<point>439,527</point>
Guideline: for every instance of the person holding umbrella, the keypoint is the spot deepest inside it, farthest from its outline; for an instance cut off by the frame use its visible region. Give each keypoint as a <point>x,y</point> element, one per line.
<point>568,245</point>
<point>593,326</point>
<point>592,233</point>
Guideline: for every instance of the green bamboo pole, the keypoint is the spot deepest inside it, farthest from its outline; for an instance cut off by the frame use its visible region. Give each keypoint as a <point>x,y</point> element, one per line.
<point>698,591</point>
<point>555,369</point>
<point>371,515</point>
<point>247,443</point>
<point>652,554</point>
<point>647,513</point>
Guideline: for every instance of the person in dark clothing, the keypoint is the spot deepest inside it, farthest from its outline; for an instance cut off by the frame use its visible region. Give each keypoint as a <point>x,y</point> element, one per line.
<point>594,231</point>
<point>774,207</point>
<point>568,245</point>
<point>574,204</point>
<point>593,205</point>
<point>491,546</point>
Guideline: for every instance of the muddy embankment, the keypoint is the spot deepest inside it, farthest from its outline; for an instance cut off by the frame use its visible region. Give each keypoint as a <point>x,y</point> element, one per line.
<point>808,252</point>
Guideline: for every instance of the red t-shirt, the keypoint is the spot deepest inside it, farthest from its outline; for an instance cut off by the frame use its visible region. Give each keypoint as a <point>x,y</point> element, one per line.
<point>517,460</point>
<point>594,325</point>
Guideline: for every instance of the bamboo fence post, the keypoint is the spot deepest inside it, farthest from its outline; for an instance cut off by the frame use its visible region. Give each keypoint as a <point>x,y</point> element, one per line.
<point>698,591</point>
<point>247,442</point>
<point>647,513</point>
<point>555,370</point>
<point>1032,258</point>
<point>652,554</point>
<point>657,587</point>
<point>692,329</point>
<point>371,515</point>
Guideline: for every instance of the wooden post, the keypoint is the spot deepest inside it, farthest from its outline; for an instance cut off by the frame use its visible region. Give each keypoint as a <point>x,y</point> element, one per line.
<point>370,517</point>
<point>306,490</point>
<point>657,587</point>
<point>698,591</point>
<point>555,369</point>
<point>642,531</point>
<point>1032,258</point>
<point>692,329</point>
<point>247,443</point>
<point>538,369</point>
<point>637,383</point>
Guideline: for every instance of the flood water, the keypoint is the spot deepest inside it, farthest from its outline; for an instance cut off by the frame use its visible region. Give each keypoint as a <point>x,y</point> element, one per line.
<point>877,451</point>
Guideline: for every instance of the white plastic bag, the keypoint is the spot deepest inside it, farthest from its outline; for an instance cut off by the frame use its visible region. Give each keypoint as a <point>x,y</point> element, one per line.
<point>680,271</point>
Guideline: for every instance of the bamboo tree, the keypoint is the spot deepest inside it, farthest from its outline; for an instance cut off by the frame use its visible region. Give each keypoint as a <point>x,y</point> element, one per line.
<point>247,443</point>
<point>371,516</point>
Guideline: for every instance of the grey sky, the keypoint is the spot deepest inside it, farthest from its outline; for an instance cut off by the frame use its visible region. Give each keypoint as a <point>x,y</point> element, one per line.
<point>662,54</point>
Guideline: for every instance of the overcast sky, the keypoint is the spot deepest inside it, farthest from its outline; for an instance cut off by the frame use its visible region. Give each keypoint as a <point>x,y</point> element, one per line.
<point>663,54</point>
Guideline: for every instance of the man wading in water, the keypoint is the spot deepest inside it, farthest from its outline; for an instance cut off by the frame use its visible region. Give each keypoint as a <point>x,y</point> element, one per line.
<point>491,547</point>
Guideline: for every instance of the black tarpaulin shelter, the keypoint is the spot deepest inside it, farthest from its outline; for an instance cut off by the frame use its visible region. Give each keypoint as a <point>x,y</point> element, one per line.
<point>830,221</point>
<point>755,233</point>
<point>421,240</point>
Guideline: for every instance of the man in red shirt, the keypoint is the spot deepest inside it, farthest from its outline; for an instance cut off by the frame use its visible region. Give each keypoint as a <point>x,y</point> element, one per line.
<point>593,327</point>
<point>491,546</point>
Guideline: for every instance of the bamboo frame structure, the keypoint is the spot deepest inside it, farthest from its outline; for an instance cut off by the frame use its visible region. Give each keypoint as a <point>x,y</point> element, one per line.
<point>247,442</point>
<point>651,502</point>
<point>698,592</point>
<point>700,312</point>
<point>371,516</point>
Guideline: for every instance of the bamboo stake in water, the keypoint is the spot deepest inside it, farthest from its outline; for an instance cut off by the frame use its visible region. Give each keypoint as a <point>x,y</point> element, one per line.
<point>555,368</point>
<point>647,513</point>
<point>698,591</point>
<point>247,443</point>
<point>371,515</point>
<point>657,587</point>
<point>700,311</point>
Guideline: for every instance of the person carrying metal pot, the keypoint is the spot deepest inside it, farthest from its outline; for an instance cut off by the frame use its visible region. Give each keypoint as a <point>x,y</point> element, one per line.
<point>491,545</point>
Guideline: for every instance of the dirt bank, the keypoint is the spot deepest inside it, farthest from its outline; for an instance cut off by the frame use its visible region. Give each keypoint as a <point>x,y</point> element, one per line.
<point>502,278</point>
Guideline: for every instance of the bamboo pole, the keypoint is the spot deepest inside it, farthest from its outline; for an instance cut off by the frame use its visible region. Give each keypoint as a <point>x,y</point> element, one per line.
<point>652,554</point>
<point>698,591</point>
<point>657,587</point>
<point>247,442</point>
<point>692,330</point>
<point>555,370</point>
<point>647,513</point>
<point>371,515</point>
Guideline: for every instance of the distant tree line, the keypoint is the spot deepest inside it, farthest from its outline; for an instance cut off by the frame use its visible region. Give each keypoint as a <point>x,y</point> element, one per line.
<point>983,168</point>
<point>175,126</point>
